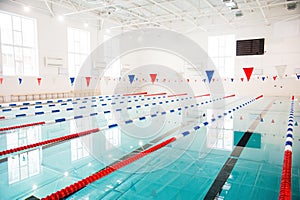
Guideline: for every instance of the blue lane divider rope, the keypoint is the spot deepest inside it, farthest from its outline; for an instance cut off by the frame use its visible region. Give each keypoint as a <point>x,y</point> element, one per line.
<point>54,111</point>
<point>104,112</point>
<point>61,103</point>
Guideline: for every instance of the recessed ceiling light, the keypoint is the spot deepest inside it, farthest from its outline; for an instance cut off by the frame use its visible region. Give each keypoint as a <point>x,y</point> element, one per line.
<point>26,8</point>
<point>66,174</point>
<point>85,24</point>
<point>60,18</point>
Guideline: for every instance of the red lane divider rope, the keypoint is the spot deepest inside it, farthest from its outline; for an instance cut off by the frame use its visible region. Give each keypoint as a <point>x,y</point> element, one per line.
<point>55,140</point>
<point>286,176</point>
<point>156,94</point>
<point>21,126</point>
<point>203,95</point>
<point>285,184</point>
<point>233,95</point>
<point>177,95</point>
<point>98,175</point>
<point>133,94</point>
<point>259,97</point>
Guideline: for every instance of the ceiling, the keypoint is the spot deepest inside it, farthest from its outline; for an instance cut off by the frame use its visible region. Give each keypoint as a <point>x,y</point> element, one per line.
<point>179,15</point>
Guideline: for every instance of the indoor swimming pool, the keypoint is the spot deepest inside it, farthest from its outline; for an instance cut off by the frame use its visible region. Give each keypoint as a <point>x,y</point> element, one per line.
<point>147,147</point>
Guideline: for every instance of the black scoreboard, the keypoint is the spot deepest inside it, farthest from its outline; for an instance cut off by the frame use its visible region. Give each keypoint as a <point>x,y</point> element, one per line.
<point>250,47</point>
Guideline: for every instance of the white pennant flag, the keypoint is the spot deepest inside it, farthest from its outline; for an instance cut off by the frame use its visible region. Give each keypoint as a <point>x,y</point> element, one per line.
<point>280,70</point>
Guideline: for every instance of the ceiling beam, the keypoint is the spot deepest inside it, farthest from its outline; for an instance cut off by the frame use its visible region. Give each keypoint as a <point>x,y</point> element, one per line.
<point>262,12</point>
<point>49,8</point>
<point>218,12</point>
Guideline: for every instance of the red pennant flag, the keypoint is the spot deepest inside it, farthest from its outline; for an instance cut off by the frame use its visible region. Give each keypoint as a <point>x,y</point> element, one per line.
<point>242,79</point>
<point>39,81</point>
<point>274,77</point>
<point>241,117</point>
<point>153,77</point>
<point>88,79</point>
<point>273,121</point>
<point>164,80</point>
<point>188,80</point>
<point>1,80</point>
<point>248,72</point>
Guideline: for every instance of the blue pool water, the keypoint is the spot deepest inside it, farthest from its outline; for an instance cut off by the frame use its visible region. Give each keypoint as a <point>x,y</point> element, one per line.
<point>185,169</point>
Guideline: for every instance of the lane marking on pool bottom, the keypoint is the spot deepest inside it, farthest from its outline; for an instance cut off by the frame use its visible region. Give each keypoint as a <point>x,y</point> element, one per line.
<point>112,168</point>
<point>286,175</point>
<point>71,136</point>
<point>58,120</point>
<point>228,166</point>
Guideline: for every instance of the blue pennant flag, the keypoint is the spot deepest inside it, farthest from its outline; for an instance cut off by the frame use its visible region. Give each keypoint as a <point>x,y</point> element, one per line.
<point>72,79</point>
<point>131,78</point>
<point>209,74</point>
<point>232,79</point>
<point>298,76</point>
<point>20,81</point>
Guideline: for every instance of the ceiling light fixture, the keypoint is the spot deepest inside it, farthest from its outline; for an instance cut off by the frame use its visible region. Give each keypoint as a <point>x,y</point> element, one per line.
<point>231,4</point>
<point>26,8</point>
<point>86,24</point>
<point>60,18</point>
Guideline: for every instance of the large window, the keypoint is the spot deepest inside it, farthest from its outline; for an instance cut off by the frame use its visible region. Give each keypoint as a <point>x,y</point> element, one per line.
<point>78,49</point>
<point>18,45</point>
<point>221,49</point>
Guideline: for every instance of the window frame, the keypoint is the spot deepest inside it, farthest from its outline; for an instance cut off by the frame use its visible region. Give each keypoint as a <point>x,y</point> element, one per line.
<point>34,48</point>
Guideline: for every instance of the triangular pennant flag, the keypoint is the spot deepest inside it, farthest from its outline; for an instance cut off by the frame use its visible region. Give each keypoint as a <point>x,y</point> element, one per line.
<point>274,78</point>
<point>231,117</point>
<point>1,80</point>
<point>242,79</point>
<point>296,123</point>
<point>153,77</point>
<point>20,81</point>
<point>241,117</point>
<point>232,79</point>
<point>204,80</point>
<point>120,78</point>
<point>187,80</point>
<point>280,70</point>
<point>273,121</point>
<point>298,76</point>
<point>248,71</point>
<point>39,81</point>
<point>261,119</point>
<point>131,78</point>
<point>263,78</point>
<point>72,79</point>
<point>88,79</point>
<point>209,74</point>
